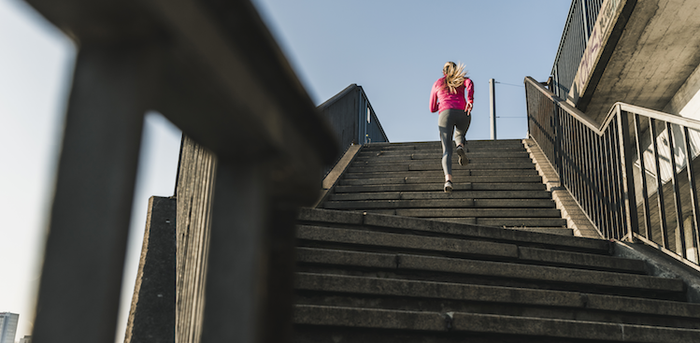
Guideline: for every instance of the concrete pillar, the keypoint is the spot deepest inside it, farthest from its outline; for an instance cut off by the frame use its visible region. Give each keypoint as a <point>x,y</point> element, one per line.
<point>152,315</point>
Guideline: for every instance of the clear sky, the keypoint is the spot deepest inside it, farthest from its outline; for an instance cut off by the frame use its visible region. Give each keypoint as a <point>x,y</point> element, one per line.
<point>394,49</point>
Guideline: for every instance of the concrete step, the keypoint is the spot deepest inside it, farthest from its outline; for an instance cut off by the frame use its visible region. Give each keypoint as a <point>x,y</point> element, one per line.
<point>437,145</point>
<point>555,230</point>
<point>437,154</point>
<point>358,167</point>
<point>456,173</point>
<point>398,259</point>
<point>378,325</point>
<point>513,223</point>
<point>441,195</point>
<point>485,156</point>
<point>515,178</point>
<point>477,213</point>
<point>500,204</point>
<point>438,149</point>
<point>497,273</point>
<point>438,187</point>
<point>373,292</point>
<point>397,224</point>
<point>363,240</point>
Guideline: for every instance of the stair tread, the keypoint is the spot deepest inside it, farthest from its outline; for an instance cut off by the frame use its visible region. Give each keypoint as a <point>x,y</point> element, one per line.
<point>497,194</point>
<point>361,285</point>
<point>486,323</point>
<point>459,202</point>
<point>438,187</point>
<point>456,229</point>
<point>506,270</point>
<point>467,247</point>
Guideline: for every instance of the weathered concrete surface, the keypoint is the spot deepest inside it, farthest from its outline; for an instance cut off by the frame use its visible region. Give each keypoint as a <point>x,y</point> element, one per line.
<point>662,265</point>
<point>365,276</point>
<point>152,316</point>
<point>437,227</point>
<point>570,210</point>
<point>658,50</point>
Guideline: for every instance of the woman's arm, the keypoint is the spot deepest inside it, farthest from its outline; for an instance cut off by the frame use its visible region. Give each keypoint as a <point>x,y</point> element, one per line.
<point>434,98</point>
<point>469,94</point>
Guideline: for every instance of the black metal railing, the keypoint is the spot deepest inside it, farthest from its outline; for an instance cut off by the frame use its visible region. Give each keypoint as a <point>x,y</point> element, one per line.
<point>579,25</point>
<point>634,175</point>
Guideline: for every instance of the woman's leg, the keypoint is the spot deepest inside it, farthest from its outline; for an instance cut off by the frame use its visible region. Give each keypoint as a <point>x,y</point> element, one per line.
<point>461,126</point>
<point>446,130</point>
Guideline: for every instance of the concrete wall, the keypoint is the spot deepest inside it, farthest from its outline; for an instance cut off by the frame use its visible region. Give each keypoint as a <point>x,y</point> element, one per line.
<point>152,315</point>
<point>194,194</point>
<point>686,102</point>
<point>654,62</point>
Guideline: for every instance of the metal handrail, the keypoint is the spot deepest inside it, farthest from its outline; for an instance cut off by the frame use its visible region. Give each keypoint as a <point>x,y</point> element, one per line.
<point>618,106</point>
<point>577,29</point>
<point>626,172</point>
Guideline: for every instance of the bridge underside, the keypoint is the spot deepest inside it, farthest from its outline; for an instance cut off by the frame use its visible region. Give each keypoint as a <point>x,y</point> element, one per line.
<point>657,54</point>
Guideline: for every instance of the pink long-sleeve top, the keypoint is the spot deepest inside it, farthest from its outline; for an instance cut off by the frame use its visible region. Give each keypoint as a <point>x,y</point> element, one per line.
<point>441,99</point>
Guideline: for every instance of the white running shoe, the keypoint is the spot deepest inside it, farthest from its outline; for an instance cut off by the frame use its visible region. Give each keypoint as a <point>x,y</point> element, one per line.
<point>448,186</point>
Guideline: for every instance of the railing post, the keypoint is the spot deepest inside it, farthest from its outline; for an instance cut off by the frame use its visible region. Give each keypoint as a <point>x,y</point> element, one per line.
<point>627,173</point>
<point>557,142</point>
<point>659,184</point>
<point>693,194</point>
<point>642,166</point>
<point>676,191</point>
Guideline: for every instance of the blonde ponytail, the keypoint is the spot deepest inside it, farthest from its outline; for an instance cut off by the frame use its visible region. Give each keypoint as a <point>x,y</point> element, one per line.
<point>454,76</point>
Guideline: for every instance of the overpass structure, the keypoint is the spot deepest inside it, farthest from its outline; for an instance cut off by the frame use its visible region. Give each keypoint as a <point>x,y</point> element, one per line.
<point>585,231</point>
<point>620,124</point>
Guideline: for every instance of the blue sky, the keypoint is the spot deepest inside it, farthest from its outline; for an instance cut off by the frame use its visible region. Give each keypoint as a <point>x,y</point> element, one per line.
<point>394,49</point>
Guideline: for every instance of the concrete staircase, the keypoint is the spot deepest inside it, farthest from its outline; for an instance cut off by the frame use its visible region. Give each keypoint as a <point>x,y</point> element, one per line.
<point>388,257</point>
<point>498,187</point>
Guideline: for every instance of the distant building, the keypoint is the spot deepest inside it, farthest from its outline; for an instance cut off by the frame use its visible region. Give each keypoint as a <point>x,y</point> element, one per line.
<point>8,327</point>
<point>26,339</point>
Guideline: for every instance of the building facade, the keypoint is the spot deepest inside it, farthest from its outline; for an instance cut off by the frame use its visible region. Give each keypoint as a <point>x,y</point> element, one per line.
<point>8,327</point>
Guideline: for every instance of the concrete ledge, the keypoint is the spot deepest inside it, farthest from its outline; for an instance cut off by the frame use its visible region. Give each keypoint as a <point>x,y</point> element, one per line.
<point>334,175</point>
<point>576,218</point>
<point>662,265</point>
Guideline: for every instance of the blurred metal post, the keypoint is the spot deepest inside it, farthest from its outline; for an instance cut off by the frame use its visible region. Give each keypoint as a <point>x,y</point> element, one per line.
<point>84,259</point>
<point>492,101</point>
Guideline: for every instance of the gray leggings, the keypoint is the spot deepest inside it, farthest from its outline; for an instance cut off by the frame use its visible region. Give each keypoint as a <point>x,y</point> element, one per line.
<point>447,121</point>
